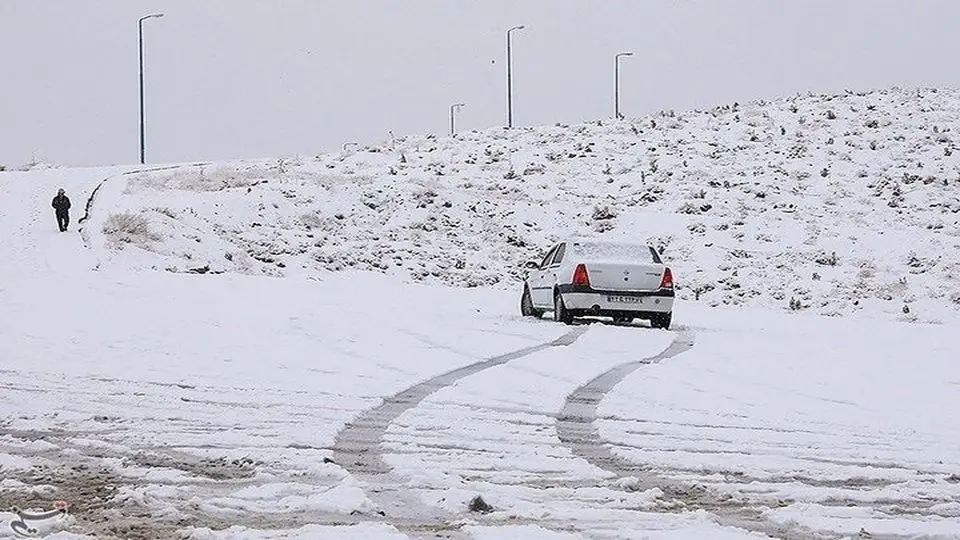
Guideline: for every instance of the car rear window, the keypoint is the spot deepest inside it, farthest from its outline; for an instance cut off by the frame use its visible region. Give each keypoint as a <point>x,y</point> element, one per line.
<point>609,251</point>
<point>558,257</point>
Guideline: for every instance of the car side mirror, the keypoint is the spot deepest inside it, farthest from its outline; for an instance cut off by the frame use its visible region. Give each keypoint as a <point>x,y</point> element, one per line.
<point>532,264</point>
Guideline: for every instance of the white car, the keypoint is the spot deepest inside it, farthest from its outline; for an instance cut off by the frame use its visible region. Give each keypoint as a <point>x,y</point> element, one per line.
<point>578,278</point>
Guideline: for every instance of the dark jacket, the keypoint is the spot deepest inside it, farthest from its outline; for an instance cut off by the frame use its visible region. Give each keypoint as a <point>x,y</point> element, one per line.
<point>61,203</point>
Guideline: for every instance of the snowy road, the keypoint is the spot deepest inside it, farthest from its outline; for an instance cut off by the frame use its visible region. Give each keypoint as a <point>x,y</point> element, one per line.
<point>353,406</point>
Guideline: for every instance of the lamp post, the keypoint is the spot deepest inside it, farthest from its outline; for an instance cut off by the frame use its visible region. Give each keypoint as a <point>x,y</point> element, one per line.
<point>616,84</point>
<point>453,109</point>
<point>140,36</point>
<point>510,76</point>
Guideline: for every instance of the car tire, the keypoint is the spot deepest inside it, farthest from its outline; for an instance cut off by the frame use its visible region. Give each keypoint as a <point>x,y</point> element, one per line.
<point>560,313</point>
<point>661,320</point>
<point>526,305</point>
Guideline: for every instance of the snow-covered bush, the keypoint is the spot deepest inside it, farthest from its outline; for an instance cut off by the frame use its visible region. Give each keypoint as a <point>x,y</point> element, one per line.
<point>203,178</point>
<point>311,220</point>
<point>826,259</point>
<point>603,212</point>
<point>604,226</point>
<point>129,228</point>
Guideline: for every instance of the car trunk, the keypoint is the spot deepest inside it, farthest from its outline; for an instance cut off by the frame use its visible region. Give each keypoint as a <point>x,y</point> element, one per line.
<point>625,276</point>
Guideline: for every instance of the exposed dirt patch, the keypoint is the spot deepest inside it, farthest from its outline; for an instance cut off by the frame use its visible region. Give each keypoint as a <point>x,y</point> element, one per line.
<point>91,492</point>
<point>220,468</point>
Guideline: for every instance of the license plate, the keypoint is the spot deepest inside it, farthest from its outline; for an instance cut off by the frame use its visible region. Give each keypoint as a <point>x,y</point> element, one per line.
<point>625,299</point>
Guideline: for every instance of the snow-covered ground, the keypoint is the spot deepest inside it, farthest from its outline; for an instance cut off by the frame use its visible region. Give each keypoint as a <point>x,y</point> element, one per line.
<point>215,401</point>
<point>830,204</point>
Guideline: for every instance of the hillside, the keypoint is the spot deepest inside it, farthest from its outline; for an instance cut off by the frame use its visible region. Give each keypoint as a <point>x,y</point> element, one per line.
<point>159,393</point>
<point>830,203</point>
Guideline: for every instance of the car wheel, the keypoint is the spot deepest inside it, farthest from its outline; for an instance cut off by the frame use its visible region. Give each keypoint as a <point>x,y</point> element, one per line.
<point>526,305</point>
<point>560,313</point>
<point>661,320</point>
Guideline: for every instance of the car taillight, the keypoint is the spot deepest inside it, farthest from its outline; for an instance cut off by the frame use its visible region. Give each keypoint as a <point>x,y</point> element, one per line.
<point>580,276</point>
<point>667,281</point>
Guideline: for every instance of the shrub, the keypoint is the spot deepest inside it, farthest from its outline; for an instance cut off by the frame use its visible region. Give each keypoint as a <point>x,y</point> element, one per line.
<point>128,228</point>
<point>603,212</point>
<point>604,226</point>
<point>689,208</point>
<point>165,211</point>
<point>478,505</point>
<point>825,259</point>
<point>311,220</point>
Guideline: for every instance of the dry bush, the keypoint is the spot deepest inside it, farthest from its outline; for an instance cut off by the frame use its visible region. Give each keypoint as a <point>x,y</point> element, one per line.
<point>202,179</point>
<point>603,212</point>
<point>311,220</point>
<point>604,226</point>
<point>169,212</point>
<point>129,228</point>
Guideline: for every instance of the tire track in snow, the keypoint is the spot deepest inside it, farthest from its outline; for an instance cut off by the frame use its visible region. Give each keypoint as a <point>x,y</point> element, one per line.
<point>578,431</point>
<point>358,447</point>
<point>576,425</point>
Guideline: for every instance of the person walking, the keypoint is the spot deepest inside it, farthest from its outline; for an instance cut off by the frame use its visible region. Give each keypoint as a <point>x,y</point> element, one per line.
<point>61,203</point>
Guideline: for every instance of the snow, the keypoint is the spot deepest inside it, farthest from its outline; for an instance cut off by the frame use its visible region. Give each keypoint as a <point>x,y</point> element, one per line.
<point>609,252</point>
<point>162,388</point>
<point>835,204</point>
<point>8,462</point>
<point>355,532</point>
<point>796,412</point>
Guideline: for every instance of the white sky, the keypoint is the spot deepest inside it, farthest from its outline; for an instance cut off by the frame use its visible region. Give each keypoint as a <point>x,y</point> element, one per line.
<point>245,78</point>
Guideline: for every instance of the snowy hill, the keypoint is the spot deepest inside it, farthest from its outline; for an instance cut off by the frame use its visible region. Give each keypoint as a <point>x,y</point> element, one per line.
<point>346,404</point>
<point>831,203</point>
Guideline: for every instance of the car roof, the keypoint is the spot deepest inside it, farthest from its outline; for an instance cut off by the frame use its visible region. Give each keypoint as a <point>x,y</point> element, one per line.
<point>605,241</point>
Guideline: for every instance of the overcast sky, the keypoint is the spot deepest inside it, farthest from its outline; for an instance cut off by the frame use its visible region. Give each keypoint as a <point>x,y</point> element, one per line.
<point>258,78</point>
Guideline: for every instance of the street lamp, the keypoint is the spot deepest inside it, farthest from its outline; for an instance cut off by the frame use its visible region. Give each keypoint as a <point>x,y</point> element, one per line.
<point>453,108</point>
<point>510,77</point>
<point>616,84</point>
<point>140,35</point>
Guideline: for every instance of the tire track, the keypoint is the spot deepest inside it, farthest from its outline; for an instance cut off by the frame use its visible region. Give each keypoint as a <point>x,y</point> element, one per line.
<point>358,447</point>
<point>578,431</point>
<point>576,427</point>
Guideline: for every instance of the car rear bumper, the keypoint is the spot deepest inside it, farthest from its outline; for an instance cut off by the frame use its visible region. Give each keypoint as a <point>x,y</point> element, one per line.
<point>581,300</point>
